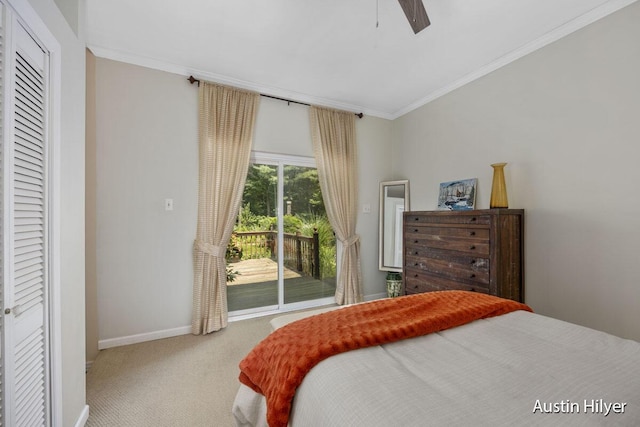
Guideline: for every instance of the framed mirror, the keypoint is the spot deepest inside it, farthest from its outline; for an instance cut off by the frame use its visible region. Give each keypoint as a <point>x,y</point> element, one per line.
<point>394,199</point>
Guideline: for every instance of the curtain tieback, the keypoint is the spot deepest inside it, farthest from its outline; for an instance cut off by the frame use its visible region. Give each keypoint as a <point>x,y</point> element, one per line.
<point>350,241</point>
<point>210,249</point>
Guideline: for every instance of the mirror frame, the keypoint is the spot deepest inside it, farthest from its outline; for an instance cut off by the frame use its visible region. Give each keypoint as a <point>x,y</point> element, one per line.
<point>382,218</point>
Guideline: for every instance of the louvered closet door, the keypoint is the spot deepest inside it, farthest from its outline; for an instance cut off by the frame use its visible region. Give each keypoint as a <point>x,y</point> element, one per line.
<point>25,323</point>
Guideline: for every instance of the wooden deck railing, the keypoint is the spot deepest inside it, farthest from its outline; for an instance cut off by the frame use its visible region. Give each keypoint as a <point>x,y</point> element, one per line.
<point>301,253</point>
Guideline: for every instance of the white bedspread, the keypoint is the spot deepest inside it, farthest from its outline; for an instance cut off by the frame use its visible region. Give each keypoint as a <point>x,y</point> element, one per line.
<point>516,369</point>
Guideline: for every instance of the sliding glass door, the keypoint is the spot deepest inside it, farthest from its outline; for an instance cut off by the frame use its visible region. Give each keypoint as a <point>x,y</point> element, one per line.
<point>252,256</point>
<point>309,245</point>
<point>282,254</point>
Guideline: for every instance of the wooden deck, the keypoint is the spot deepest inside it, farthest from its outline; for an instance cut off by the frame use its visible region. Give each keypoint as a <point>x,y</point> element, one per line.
<point>257,271</point>
<point>257,286</point>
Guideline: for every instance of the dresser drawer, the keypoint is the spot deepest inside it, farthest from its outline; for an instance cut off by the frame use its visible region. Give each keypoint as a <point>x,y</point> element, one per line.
<point>445,218</point>
<point>420,281</point>
<point>464,268</point>
<point>420,230</point>
<point>422,246</point>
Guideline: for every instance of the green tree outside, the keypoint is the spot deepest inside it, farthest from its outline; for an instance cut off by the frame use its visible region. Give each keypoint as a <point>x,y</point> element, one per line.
<point>304,213</point>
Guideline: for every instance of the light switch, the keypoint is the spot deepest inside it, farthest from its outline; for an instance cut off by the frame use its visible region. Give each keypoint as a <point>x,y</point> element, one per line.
<point>168,204</point>
<point>366,208</point>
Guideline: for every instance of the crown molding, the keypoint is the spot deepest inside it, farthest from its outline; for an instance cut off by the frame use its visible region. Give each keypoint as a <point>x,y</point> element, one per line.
<point>168,67</point>
<point>552,36</point>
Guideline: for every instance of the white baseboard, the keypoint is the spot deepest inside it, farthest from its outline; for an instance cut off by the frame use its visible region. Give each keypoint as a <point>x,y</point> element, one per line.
<point>84,416</point>
<point>184,330</point>
<point>149,336</point>
<point>375,296</point>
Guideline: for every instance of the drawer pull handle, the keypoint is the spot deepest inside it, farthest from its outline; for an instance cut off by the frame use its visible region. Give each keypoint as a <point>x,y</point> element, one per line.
<point>472,276</point>
<point>473,261</point>
<point>415,275</point>
<point>416,264</point>
<point>473,219</point>
<point>415,230</point>
<point>416,219</point>
<point>472,233</point>
<point>472,247</point>
<point>416,253</point>
<point>415,241</point>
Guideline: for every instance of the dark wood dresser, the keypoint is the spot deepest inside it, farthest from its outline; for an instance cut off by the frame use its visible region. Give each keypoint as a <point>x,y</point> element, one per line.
<point>479,250</point>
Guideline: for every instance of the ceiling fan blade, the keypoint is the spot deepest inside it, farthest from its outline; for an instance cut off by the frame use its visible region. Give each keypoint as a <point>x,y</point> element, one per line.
<point>416,14</point>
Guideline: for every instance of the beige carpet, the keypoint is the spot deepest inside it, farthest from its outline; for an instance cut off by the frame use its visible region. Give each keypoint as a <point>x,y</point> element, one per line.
<point>185,381</point>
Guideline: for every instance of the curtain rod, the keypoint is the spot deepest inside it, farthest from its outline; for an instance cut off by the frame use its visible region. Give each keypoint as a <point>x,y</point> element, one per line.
<point>193,80</point>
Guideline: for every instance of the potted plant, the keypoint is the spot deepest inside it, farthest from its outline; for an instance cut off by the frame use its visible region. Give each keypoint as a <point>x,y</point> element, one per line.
<point>394,284</point>
<point>231,274</point>
<point>233,253</point>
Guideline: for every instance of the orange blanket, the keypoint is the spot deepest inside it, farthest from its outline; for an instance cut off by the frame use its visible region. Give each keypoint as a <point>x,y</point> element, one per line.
<point>278,364</point>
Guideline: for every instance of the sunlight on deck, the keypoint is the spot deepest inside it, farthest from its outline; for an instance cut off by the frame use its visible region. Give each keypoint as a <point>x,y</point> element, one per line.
<point>258,270</point>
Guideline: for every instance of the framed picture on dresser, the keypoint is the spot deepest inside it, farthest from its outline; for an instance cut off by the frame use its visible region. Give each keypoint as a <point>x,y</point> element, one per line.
<point>457,195</point>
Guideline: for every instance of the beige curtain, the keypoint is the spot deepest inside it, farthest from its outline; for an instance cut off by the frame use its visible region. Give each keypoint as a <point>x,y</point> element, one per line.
<point>334,144</point>
<point>226,121</point>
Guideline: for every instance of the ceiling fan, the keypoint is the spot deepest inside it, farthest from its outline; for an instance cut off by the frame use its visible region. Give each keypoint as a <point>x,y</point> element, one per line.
<point>416,14</point>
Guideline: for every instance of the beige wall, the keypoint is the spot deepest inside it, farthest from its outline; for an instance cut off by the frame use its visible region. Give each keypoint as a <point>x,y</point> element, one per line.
<point>146,151</point>
<point>91,297</point>
<point>565,118</point>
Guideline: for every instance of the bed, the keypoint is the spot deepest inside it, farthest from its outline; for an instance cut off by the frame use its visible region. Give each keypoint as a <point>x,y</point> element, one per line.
<point>515,368</point>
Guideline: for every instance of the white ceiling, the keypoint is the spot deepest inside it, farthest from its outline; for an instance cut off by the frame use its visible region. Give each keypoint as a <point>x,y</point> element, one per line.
<point>330,52</point>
